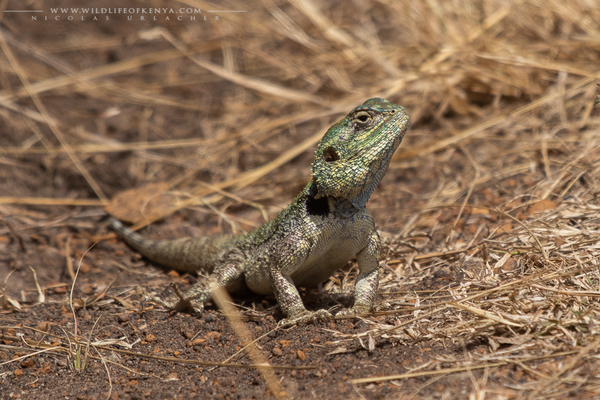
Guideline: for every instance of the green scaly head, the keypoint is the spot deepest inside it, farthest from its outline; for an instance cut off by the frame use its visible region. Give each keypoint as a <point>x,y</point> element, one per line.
<point>355,153</point>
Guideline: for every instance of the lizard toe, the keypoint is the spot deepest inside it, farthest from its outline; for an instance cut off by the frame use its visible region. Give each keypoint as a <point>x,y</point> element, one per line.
<point>180,305</point>
<point>184,303</point>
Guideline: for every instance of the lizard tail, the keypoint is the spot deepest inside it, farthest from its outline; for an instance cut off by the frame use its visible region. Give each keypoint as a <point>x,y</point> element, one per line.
<point>189,254</point>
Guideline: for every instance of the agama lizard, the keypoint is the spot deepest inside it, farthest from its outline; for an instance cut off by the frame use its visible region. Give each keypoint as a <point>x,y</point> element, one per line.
<point>323,228</point>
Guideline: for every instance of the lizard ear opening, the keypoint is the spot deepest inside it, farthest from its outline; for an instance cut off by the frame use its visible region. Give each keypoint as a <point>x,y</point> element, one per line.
<point>316,206</point>
<point>330,155</point>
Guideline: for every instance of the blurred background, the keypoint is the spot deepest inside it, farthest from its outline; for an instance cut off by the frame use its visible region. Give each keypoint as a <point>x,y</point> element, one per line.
<point>114,96</point>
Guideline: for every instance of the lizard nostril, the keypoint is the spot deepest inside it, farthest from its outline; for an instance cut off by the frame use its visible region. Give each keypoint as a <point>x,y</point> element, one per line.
<point>330,155</point>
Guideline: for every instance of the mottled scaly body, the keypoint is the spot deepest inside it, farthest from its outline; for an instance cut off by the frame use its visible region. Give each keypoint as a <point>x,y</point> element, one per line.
<point>323,228</point>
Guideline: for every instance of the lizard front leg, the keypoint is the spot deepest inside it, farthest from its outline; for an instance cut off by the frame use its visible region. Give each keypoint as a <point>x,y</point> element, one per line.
<point>367,282</point>
<point>291,304</point>
<point>291,253</point>
<point>228,273</point>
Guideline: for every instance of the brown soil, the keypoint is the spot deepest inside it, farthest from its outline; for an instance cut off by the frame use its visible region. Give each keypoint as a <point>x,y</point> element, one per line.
<point>488,213</point>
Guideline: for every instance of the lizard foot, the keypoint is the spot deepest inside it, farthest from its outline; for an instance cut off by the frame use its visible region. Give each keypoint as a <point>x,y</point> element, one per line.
<point>306,317</point>
<point>185,302</point>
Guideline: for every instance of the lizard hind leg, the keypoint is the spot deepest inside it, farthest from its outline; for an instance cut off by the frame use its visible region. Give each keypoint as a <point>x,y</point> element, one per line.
<point>228,274</point>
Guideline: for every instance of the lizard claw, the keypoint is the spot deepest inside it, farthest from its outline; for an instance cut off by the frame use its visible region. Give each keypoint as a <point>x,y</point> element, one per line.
<point>185,302</point>
<point>306,317</point>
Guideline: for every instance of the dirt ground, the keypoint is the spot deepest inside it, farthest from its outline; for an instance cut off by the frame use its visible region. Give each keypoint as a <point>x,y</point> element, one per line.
<point>184,126</point>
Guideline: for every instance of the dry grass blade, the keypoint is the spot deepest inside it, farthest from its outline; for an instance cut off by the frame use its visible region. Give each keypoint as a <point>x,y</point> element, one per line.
<point>33,353</point>
<point>533,236</point>
<point>73,288</point>
<point>109,148</point>
<point>567,292</point>
<point>224,301</point>
<point>425,373</point>
<point>41,296</point>
<point>485,314</point>
<point>51,202</point>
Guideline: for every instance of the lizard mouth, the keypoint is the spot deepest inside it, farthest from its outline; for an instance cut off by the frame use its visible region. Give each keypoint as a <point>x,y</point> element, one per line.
<point>330,155</point>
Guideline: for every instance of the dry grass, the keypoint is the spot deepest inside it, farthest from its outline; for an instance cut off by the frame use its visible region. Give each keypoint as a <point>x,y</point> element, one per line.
<point>500,95</point>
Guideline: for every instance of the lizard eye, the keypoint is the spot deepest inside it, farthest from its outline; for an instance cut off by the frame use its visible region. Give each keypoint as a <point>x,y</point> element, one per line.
<point>330,155</point>
<point>362,118</point>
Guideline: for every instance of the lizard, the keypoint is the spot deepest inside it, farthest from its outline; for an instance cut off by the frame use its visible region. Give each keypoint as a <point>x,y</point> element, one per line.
<point>323,228</point>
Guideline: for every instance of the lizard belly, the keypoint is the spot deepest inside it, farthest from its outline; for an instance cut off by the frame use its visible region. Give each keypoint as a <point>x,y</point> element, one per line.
<point>331,251</point>
<point>325,259</point>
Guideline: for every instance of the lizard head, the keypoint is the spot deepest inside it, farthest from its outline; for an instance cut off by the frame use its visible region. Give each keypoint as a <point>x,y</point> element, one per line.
<point>354,154</point>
